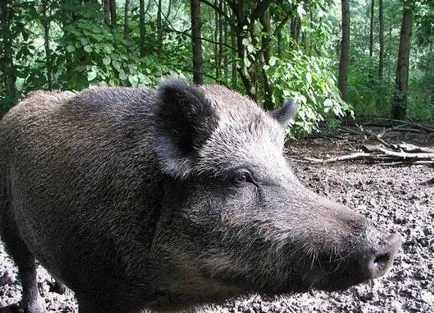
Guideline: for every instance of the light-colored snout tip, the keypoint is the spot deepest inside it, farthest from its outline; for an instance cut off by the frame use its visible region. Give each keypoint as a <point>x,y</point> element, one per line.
<point>382,259</point>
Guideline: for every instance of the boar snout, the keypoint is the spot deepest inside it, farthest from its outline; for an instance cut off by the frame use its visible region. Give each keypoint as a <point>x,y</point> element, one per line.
<point>369,259</point>
<point>381,257</point>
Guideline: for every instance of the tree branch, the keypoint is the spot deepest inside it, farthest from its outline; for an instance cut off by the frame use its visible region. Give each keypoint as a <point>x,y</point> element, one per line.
<point>188,33</point>
<point>221,12</point>
<point>259,10</point>
<point>282,24</point>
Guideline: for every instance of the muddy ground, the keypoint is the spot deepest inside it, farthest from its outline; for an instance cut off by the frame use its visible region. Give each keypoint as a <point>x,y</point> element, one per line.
<point>393,197</point>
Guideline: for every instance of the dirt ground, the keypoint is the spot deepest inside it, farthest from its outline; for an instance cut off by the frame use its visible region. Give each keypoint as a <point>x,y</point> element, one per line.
<point>392,197</point>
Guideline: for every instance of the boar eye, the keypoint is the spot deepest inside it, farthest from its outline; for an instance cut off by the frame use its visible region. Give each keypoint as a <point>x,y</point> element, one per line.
<point>241,178</point>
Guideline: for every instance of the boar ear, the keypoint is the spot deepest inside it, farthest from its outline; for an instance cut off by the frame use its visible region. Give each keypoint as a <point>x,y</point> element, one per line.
<point>185,119</point>
<point>286,113</point>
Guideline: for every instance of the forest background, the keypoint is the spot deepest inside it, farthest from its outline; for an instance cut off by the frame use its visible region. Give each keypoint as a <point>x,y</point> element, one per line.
<point>368,58</point>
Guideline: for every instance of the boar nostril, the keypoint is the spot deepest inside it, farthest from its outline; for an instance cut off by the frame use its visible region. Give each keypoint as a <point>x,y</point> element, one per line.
<point>380,262</point>
<point>382,258</point>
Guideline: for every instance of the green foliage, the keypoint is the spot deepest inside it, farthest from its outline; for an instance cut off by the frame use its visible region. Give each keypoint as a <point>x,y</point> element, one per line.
<point>369,95</point>
<point>97,56</point>
<point>309,80</point>
<point>421,99</point>
<point>84,51</point>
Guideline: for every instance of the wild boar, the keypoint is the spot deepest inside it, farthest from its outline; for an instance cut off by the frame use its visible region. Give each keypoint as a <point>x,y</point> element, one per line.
<point>167,198</point>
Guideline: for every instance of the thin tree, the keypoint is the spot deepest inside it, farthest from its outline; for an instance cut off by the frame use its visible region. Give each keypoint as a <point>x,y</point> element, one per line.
<point>6,51</point>
<point>234,59</point>
<point>113,15</point>
<point>220,60</point>
<point>381,40</point>
<point>371,29</point>
<point>345,50</point>
<point>126,9</point>
<point>245,18</point>
<point>216,42</point>
<point>295,28</point>
<point>142,28</point>
<point>107,18</point>
<point>399,105</point>
<point>159,26</point>
<point>196,42</point>
<point>266,55</point>
<point>46,27</point>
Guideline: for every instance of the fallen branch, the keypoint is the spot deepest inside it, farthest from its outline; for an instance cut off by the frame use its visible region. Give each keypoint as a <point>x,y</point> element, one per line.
<point>412,148</point>
<point>366,132</point>
<point>401,154</point>
<point>353,156</point>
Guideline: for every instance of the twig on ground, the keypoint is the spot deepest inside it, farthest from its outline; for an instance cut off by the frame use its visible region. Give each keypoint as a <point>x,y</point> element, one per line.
<point>366,132</point>
<point>352,156</point>
<point>401,154</point>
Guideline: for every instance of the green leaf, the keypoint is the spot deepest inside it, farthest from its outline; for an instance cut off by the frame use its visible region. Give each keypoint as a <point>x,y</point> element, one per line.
<point>309,77</point>
<point>84,41</point>
<point>122,75</point>
<point>91,75</point>
<point>328,103</point>
<point>272,61</point>
<point>301,11</point>
<point>116,65</point>
<point>88,49</point>
<point>131,68</point>
<point>70,48</point>
<point>106,60</point>
<point>108,47</point>
<point>134,80</point>
<point>146,80</point>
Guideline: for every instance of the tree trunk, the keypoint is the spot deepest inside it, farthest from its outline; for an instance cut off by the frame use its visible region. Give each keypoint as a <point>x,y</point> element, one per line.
<point>216,40</point>
<point>243,70</point>
<point>234,79</point>
<point>220,40</point>
<point>266,54</point>
<point>295,28</point>
<point>266,37</point>
<point>142,28</point>
<point>197,42</point>
<point>381,40</point>
<point>126,9</point>
<point>159,27</point>
<point>225,37</point>
<point>279,39</point>
<point>46,27</point>
<point>113,16</point>
<point>345,50</point>
<point>399,106</point>
<point>6,52</point>
<point>107,18</point>
<point>371,29</point>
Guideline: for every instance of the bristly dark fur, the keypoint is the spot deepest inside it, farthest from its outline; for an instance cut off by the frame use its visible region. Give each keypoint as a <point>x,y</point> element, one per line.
<point>164,199</point>
<point>184,121</point>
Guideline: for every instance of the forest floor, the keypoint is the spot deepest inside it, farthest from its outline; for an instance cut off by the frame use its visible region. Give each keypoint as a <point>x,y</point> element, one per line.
<point>392,197</point>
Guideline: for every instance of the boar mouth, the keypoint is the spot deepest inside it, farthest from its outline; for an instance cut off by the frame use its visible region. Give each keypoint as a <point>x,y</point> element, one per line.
<point>365,263</point>
<point>363,257</point>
